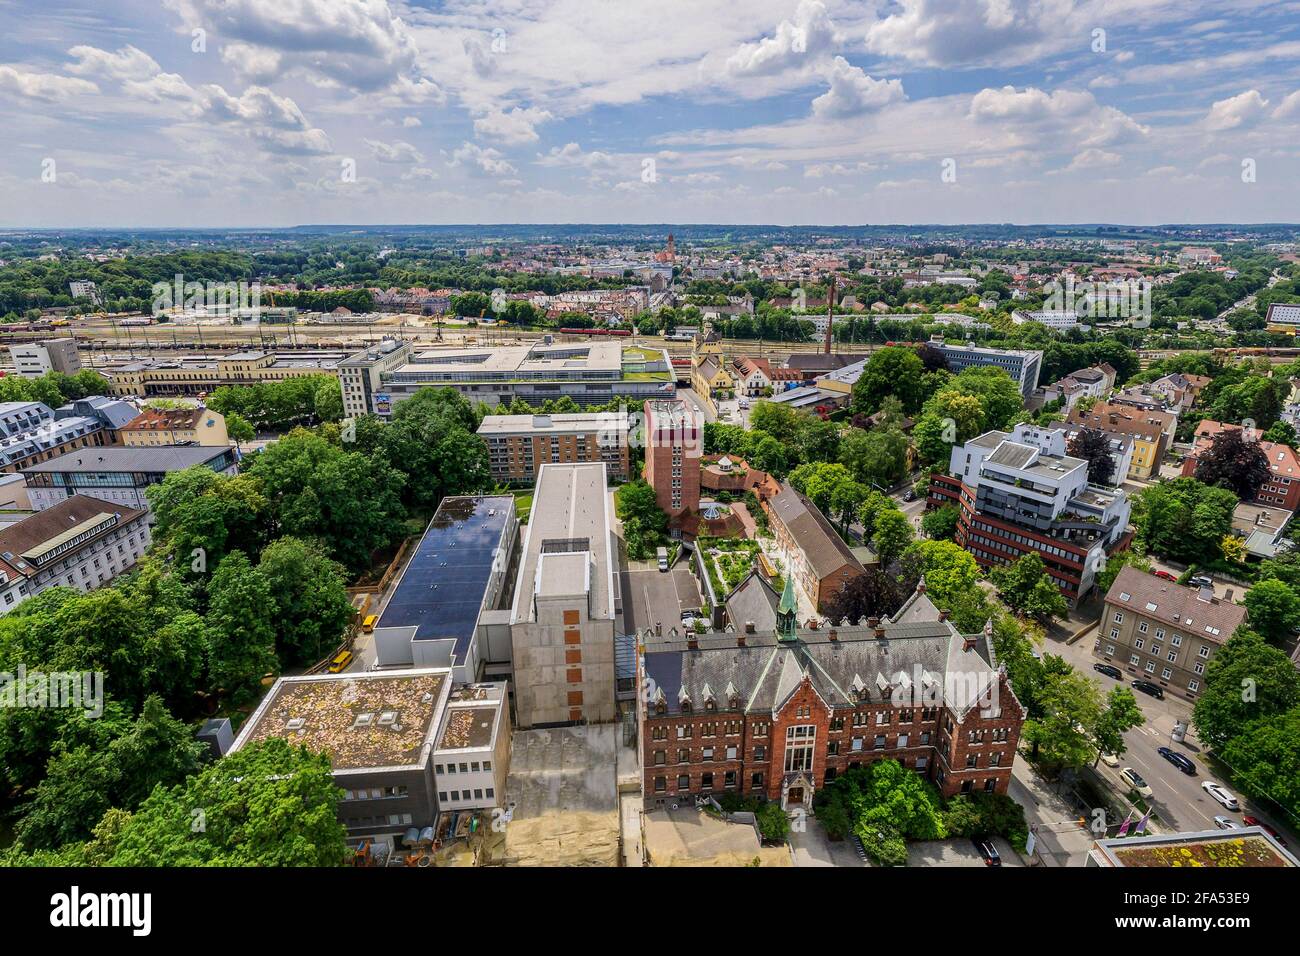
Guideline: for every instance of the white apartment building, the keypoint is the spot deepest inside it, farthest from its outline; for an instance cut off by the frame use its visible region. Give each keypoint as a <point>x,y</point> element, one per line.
<point>82,542</point>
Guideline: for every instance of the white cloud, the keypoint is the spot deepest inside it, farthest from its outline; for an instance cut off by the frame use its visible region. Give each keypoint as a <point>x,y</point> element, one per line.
<point>410,122</point>
<point>1067,116</point>
<point>1289,107</point>
<point>1094,159</point>
<point>361,45</point>
<point>395,152</point>
<point>515,128</point>
<point>1235,111</point>
<point>42,86</point>
<point>571,154</point>
<point>853,92</point>
<point>972,32</point>
<point>808,36</point>
<point>276,121</point>
<point>485,160</point>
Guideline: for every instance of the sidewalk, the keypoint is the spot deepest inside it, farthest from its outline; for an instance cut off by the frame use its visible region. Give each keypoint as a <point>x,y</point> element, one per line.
<point>1061,842</point>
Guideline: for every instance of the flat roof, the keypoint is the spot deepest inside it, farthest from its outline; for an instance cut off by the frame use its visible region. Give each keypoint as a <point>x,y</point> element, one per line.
<point>1240,847</point>
<point>361,721</point>
<point>440,593</point>
<point>570,514</point>
<point>470,726</point>
<point>160,458</point>
<point>567,423</point>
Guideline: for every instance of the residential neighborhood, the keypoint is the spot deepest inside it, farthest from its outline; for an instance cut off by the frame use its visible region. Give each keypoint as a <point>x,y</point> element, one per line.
<point>803,435</point>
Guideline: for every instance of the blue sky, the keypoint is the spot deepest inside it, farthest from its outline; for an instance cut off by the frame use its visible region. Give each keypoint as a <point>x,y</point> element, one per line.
<point>279,112</point>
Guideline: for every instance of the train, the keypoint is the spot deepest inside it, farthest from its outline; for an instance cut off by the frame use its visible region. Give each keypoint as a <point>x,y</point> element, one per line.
<point>618,332</point>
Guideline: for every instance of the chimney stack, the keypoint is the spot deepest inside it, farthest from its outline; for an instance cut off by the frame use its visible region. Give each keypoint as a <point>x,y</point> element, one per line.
<point>830,314</point>
<point>749,627</point>
<point>943,615</point>
<point>659,628</point>
<point>1227,595</point>
<point>833,635</point>
<point>740,639</point>
<point>693,641</point>
<point>873,622</point>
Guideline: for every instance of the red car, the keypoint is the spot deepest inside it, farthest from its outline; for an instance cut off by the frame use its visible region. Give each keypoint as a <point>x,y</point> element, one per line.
<point>1166,575</point>
<point>1256,822</point>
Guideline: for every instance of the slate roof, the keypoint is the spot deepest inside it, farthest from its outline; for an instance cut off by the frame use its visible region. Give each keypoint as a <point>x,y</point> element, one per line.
<point>858,666</point>
<point>825,549</point>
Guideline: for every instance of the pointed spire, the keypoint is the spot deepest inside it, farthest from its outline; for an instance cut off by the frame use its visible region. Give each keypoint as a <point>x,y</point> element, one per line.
<point>786,623</point>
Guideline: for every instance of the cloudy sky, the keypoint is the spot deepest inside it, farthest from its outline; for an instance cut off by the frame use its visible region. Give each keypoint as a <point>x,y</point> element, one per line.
<point>279,112</point>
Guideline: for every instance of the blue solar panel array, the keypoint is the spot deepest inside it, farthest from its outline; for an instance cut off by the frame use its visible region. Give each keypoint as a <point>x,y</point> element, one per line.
<point>442,589</point>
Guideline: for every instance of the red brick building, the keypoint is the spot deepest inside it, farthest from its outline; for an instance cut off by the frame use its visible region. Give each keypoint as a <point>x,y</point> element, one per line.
<point>779,715</point>
<point>1282,489</point>
<point>674,440</point>
<point>819,559</point>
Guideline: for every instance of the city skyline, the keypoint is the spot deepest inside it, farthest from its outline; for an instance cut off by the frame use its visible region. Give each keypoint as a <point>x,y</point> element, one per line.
<point>246,113</point>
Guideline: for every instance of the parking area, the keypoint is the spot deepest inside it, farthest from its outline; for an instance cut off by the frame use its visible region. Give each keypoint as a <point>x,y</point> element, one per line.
<point>958,852</point>
<point>652,596</point>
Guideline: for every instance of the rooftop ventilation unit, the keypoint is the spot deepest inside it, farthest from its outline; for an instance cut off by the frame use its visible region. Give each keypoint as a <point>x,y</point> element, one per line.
<point>388,718</point>
<point>296,724</point>
<point>362,721</point>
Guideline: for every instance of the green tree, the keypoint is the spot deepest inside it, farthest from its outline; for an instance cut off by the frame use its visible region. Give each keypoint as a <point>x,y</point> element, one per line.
<point>267,804</point>
<point>893,533</point>
<point>1246,680</point>
<point>1026,586</point>
<point>201,515</point>
<point>1121,715</point>
<point>84,782</point>
<point>877,457</point>
<point>1062,736</point>
<point>311,599</point>
<point>645,526</point>
<point>895,370</point>
<point>348,500</point>
<point>941,523</point>
<point>1273,610</point>
<point>1265,759</point>
<point>328,402</point>
<point>239,429</point>
<point>241,628</point>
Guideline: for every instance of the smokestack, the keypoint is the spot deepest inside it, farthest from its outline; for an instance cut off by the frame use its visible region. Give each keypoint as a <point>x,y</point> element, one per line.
<point>830,315</point>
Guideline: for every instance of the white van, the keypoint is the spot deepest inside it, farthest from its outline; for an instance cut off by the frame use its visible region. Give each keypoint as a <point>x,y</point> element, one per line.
<point>663,559</point>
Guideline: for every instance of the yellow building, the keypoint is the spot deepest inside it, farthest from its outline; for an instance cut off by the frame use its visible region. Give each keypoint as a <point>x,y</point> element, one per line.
<point>151,378</point>
<point>177,426</point>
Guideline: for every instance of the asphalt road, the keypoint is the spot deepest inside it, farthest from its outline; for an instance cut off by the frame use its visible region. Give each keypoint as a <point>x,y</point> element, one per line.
<point>1177,798</point>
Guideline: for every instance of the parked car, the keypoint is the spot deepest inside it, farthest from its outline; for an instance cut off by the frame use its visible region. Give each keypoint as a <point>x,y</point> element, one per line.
<point>1225,823</point>
<point>1110,760</point>
<point>1257,822</point>
<point>988,851</point>
<point>1155,690</point>
<point>1221,794</point>
<point>909,495</point>
<point>1201,581</point>
<point>1110,670</point>
<point>1134,780</point>
<point>1166,575</point>
<point>1179,760</point>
